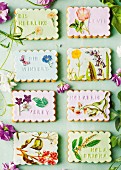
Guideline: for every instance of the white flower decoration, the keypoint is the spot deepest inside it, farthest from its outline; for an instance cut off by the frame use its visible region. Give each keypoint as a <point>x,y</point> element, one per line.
<point>119,51</point>
<point>6,83</point>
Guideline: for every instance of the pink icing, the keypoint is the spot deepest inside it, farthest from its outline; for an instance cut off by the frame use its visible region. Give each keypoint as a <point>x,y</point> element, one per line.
<point>35,113</point>
<point>98,23</point>
<point>86,98</point>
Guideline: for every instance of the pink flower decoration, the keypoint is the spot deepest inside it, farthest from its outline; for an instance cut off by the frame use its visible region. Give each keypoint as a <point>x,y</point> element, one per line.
<point>83,14</point>
<point>10,166</point>
<point>117,77</point>
<point>45,2</point>
<point>4,11</point>
<point>62,87</point>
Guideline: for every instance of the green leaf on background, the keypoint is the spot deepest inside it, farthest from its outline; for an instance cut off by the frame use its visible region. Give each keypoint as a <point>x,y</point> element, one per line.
<point>38,144</point>
<point>77,29</point>
<point>119,96</point>
<point>93,143</point>
<point>40,102</point>
<point>80,141</point>
<point>119,141</point>
<point>118,159</point>
<point>114,141</point>
<point>113,114</point>
<point>105,1</point>
<point>74,143</point>
<point>118,124</point>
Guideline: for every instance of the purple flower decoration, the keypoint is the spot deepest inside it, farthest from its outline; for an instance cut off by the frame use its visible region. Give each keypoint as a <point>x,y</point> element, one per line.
<point>10,166</point>
<point>27,98</point>
<point>4,10</point>
<point>117,77</point>
<point>62,87</point>
<point>19,101</point>
<point>47,3</point>
<point>6,132</point>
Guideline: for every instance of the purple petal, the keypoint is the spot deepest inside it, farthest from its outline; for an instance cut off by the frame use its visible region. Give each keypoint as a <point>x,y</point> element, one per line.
<point>3,6</point>
<point>11,128</point>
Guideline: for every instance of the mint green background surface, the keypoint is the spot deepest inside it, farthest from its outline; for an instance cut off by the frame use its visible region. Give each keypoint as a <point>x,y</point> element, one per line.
<point>62,125</point>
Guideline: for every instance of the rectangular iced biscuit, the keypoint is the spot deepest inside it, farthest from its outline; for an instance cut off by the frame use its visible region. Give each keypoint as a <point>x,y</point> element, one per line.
<point>89,64</point>
<point>34,106</point>
<point>36,66</point>
<point>87,22</point>
<point>90,147</point>
<point>37,24</point>
<point>88,105</point>
<point>36,148</point>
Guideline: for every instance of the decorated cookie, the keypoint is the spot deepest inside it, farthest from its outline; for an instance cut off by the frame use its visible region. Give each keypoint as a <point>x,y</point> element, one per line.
<point>89,147</point>
<point>89,64</point>
<point>87,22</point>
<point>36,148</point>
<point>37,24</point>
<point>36,66</point>
<point>34,106</point>
<point>88,105</point>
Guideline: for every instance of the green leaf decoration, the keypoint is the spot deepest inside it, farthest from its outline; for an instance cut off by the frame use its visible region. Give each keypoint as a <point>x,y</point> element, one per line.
<point>119,96</point>
<point>40,102</point>
<point>81,24</point>
<point>91,72</point>
<point>119,141</point>
<point>107,65</point>
<point>80,141</point>
<point>96,104</point>
<point>77,156</point>
<point>73,26</point>
<point>81,77</point>
<point>76,22</point>
<point>118,123</point>
<point>10,105</point>
<point>38,144</point>
<point>77,29</point>
<point>93,143</point>
<point>113,141</point>
<point>74,143</point>
<point>27,142</point>
<point>113,114</point>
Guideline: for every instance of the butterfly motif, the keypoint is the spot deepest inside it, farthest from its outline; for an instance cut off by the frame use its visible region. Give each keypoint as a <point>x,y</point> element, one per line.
<point>25,63</point>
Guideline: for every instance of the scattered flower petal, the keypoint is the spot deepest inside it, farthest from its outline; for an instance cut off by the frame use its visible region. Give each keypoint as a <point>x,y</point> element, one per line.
<point>6,131</point>
<point>10,166</point>
<point>62,87</point>
<point>4,12</point>
<point>46,3</point>
<point>117,77</point>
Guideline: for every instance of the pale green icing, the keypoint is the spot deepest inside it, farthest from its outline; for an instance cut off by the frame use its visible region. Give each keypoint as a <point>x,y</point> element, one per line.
<point>32,66</point>
<point>37,24</point>
<point>95,147</point>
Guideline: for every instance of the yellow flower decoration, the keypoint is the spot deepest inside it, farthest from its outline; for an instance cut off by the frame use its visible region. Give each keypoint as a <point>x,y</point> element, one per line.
<point>51,15</point>
<point>76,54</point>
<point>38,30</point>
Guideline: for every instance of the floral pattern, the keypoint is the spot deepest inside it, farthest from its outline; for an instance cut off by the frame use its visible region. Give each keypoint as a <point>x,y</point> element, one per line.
<point>24,104</point>
<point>47,59</point>
<point>9,166</point>
<point>33,149</point>
<point>117,77</point>
<point>81,23</point>
<point>79,144</point>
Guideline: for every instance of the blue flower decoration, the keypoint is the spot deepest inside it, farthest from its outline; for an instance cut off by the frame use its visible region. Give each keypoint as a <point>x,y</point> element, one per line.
<point>47,58</point>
